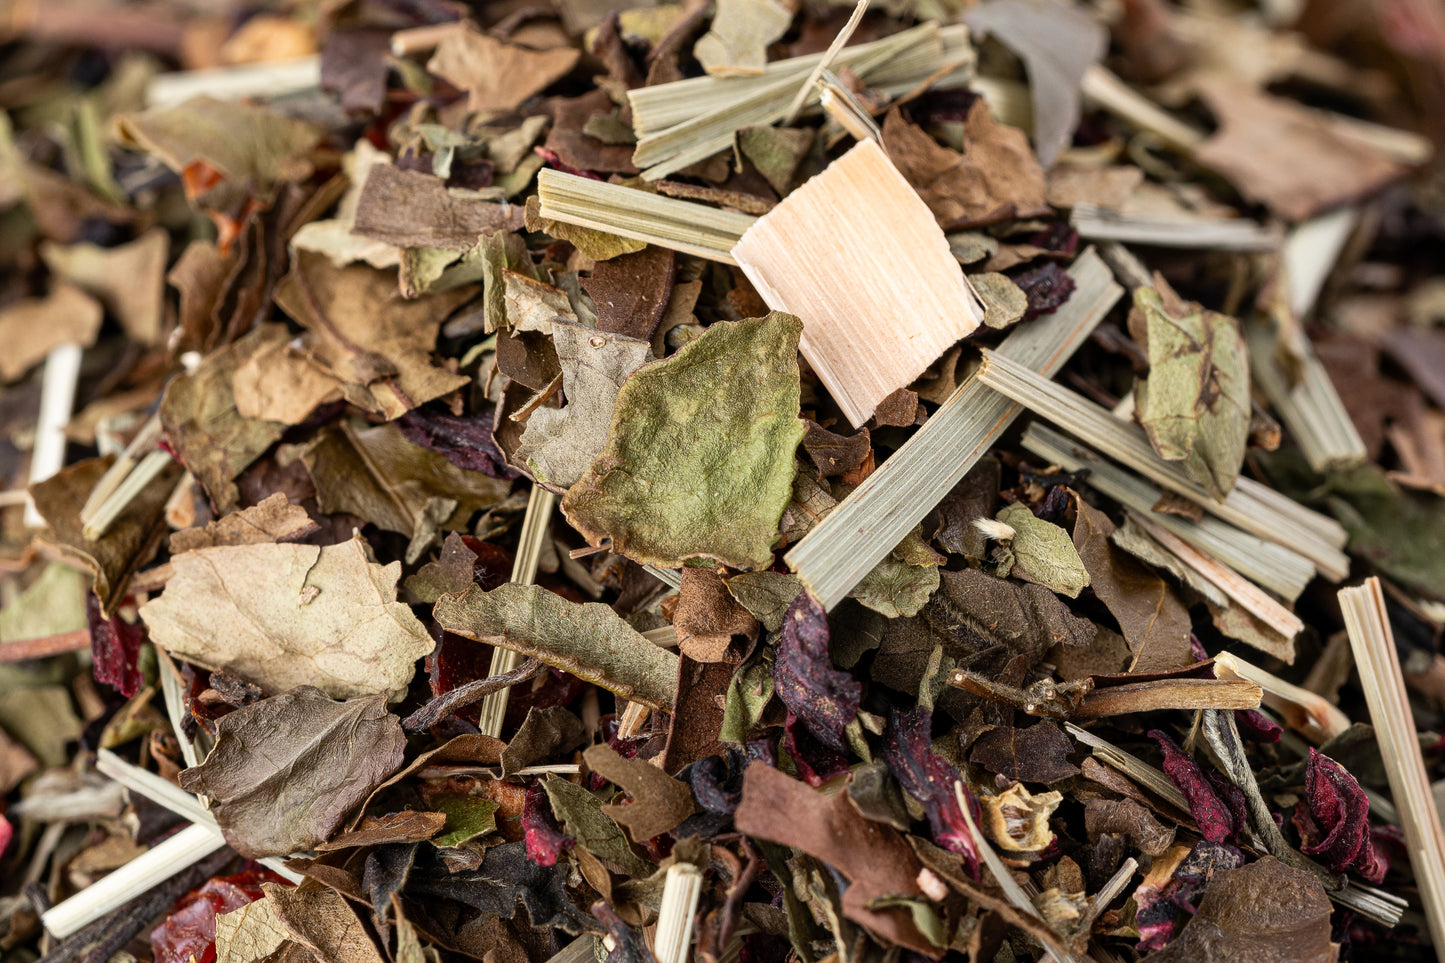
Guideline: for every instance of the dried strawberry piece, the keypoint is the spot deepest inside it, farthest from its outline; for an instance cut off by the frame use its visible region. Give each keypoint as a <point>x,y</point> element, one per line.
<point>1217,821</point>
<point>188,934</point>
<point>1333,821</point>
<point>931,779</point>
<point>824,698</point>
<point>115,648</point>
<point>544,838</point>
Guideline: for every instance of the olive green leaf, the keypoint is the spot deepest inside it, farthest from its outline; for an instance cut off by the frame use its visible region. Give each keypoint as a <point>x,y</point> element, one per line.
<point>1194,404</point>
<point>1043,552</point>
<point>699,458</point>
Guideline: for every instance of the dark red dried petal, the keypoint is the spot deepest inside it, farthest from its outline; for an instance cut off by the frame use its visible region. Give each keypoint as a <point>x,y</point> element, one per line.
<point>930,778</point>
<point>465,442</point>
<point>816,762</point>
<point>1233,797</point>
<point>188,934</point>
<point>545,839</point>
<point>825,698</point>
<point>1047,286</point>
<point>1255,725</point>
<point>1215,818</point>
<point>115,649</point>
<point>1336,826</point>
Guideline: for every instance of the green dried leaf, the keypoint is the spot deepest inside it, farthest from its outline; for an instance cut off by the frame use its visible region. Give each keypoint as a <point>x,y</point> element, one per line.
<point>748,695</point>
<point>51,605</point>
<point>598,245</point>
<point>901,583</point>
<point>766,595</point>
<point>581,814</point>
<point>777,152</point>
<point>699,459</point>
<point>1043,552</point>
<point>1194,404</point>
<point>560,443</point>
<point>589,640</point>
<point>1004,302</point>
<point>741,30</point>
<point>467,817</point>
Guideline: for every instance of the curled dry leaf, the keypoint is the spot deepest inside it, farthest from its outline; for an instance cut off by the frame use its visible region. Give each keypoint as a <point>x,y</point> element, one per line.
<point>288,615</point>
<point>287,771</point>
<point>659,802</point>
<point>497,76</point>
<point>273,519</point>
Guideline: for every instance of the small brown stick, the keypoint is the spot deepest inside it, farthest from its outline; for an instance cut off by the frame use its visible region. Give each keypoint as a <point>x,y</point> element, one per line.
<point>1187,694</point>
<point>45,646</point>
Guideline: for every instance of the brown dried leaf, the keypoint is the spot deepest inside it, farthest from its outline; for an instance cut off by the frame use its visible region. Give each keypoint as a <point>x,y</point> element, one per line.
<point>412,209</point>
<point>129,279</point>
<point>1154,621</point>
<point>1027,619</point>
<point>631,291</point>
<point>1128,818</point>
<point>286,771</point>
<point>708,617</point>
<point>1039,753</point>
<point>30,328</point>
<point>998,179</point>
<point>288,615</point>
<point>273,519</point>
<point>322,921</point>
<point>497,76</point>
<point>407,826</point>
<point>659,802</point>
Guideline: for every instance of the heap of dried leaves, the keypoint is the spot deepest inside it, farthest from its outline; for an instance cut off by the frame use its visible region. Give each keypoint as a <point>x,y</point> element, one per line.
<point>329,353</point>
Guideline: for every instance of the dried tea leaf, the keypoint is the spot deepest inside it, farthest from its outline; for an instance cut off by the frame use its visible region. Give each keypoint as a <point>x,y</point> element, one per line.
<point>659,802</point>
<point>560,443</point>
<point>407,826</point>
<point>466,442</point>
<point>453,572</point>
<point>1194,404</point>
<point>377,342</point>
<point>207,433</point>
<point>129,279</point>
<point>321,920</point>
<point>699,458</point>
<point>997,179</point>
<point>581,812</point>
<point>30,328</point>
<point>833,454</point>
<point>1058,43</point>
<point>590,640</point>
<point>777,152</point>
<point>1127,818</point>
<point>741,30</point>
<point>1004,302</point>
<point>128,544</point>
<point>280,383</point>
<point>41,719</point>
<point>1265,911</point>
<point>1043,552</point>
<point>543,734</point>
<point>1151,617</point>
<point>824,698</point>
<point>598,245</point>
<point>410,209</point>
<point>708,617</point>
<point>1039,753</point>
<point>286,771</point>
<point>377,474</point>
<point>273,519</point>
<point>1026,619</point>
<point>467,817</point>
<point>631,291</point>
<point>249,933</point>
<point>53,604</point>
<point>289,615</point>
<point>899,586</point>
<point>1259,144</point>
<point>497,76</point>
<point>749,693</point>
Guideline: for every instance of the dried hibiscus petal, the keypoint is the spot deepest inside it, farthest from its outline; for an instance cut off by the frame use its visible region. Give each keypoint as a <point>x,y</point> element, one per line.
<point>1334,823</point>
<point>115,649</point>
<point>1047,287</point>
<point>544,838</point>
<point>188,934</point>
<point>824,698</point>
<point>1257,726</point>
<point>1217,821</point>
<point>465,442</point>
<point>929,778</point>
<point>816,762</point>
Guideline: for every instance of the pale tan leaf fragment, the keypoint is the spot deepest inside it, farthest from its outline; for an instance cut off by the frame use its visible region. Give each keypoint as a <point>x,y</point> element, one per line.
<point>740,34</point>
<point>273,519</point>
<point>31,327</point>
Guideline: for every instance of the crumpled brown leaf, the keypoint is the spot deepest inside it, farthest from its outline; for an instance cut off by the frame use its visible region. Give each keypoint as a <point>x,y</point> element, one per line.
<point>1260,144</point>
<point>273,519</point>
<point>286,771</point>
<point>497,76</point>
<point>708,617</point>
<point>321,920</point>
<point>1027,619</point>
<point>30,328</point>
<point>1153,619</point>
<point>996,179</point>
<point>659,802</point>
<point>129,279</point>
<point>412,209</point>
<point>286,615</point>
<point>1036,754</point>
<point>560,443</point>
<point>631,291</point>
<point>590,640</point>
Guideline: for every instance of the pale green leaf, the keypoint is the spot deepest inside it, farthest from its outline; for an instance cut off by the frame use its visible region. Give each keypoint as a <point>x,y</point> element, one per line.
<point>467,817</point>
<point>582,816</point>
<point>1044,553</point>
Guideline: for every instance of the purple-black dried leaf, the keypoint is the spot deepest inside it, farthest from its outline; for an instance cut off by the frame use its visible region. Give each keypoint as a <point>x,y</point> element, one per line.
<point>115,649</point>
<point>545,840</point>
<point>1255,725</point>
<point>816,762</point>
<point>929,778</point>
<point>1215,818</point>
<point>1047,286</point>
<point>1334,823</point>
<point>465,442</point>
<point>824,698</point>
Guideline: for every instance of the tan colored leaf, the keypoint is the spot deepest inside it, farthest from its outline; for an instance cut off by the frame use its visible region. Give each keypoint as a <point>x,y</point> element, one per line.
<point>699,459</point>
<point>31,328</point>
<point>378,474</point>
<point>590,640</point>
<point>280,383</point>
<point>249,933</point>
<point>321,920</point>
<point>497,76</point>
<point>659,802</point>
<point>287,771</point>
<point>273,519</point>
<point>413,209</point>
<point>129,278</point>
<point>288,615</point>
<point>741,30</point>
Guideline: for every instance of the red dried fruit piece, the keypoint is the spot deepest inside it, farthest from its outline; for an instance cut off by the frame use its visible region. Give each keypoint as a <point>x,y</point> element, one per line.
<point>1255,725</point>
<point>1333,821</point>
<point>824,698</point>
<point>929,778</point>
<point>1046,286</point>
<point>1217,822</point>
<point>465,442</point>
<point>1163,910</point>
<point>115,649</point>
<point>188,934</point>
<point>544,838</point>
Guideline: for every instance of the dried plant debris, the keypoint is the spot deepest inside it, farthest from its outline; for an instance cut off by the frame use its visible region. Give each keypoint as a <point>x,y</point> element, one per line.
<point>409,411</point>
